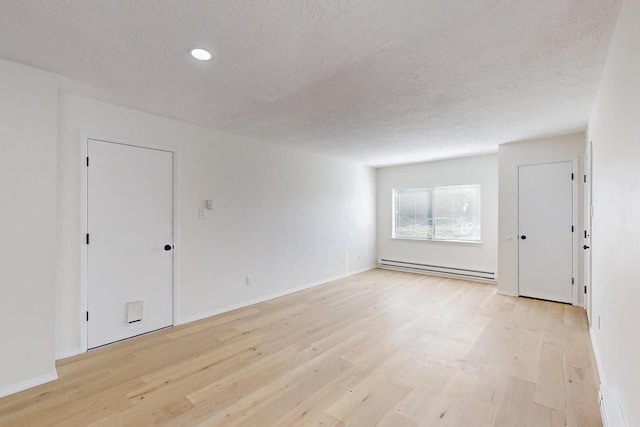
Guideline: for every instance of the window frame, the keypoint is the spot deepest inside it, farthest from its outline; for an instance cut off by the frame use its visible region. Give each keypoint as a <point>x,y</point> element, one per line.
<point>433,188</point>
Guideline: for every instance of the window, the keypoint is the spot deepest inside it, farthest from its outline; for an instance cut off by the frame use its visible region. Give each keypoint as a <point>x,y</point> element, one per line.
<point>438,213</point>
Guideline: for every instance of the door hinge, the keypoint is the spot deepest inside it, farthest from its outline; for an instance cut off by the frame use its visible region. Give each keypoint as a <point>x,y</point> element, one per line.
<point>585,289</point>
<point>87,238</point>
<point>585,234</point>
<point>585,178</point>
<point>571,177</point>
<point>573,281</point>
<point>87,161</point>
<point>572,228</point>
<point>87,316</point>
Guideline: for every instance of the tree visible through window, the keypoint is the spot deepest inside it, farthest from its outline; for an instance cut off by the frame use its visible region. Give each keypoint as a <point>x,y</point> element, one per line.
<point>439,213</point>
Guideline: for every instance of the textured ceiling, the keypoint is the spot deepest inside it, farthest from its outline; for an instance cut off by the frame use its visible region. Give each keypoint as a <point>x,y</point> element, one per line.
<point>375,81</point>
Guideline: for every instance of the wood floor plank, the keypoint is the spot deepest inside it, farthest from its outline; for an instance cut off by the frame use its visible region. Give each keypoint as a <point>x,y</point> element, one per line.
<point>545,416</point>
<point>312,411</point>
<point>551,385</point>
<point>368,403</point>
<point>380,348</point>
<point>515,409</point>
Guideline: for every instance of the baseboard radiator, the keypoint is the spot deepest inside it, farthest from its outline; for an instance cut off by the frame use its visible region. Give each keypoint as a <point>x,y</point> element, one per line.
<point>610,409</point>
<point>438,270</point>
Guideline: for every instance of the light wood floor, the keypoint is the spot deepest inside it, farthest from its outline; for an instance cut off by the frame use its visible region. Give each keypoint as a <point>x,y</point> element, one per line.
<point>380,348</point>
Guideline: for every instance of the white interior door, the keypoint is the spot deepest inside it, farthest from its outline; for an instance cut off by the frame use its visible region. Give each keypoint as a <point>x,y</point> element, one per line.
<point>545,216</point>
<point>130,241</point>
<point>586,246</point>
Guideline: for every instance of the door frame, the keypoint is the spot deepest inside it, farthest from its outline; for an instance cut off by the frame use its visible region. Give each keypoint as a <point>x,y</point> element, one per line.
<point>574,215</point>
<point>84,255</point>
<point>587,226</point>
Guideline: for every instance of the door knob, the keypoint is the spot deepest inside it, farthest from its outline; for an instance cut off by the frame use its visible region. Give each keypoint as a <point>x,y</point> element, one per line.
<point>585,247</point>
<point>523,237</point>
<point>168,247</point>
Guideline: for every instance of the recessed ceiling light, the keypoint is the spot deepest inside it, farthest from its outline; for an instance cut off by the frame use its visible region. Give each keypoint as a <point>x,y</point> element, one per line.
<point>201,54</point>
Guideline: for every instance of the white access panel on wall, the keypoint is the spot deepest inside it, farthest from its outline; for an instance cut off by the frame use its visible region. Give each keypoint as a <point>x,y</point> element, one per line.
<point>545,220</point>
<point>130,241</point>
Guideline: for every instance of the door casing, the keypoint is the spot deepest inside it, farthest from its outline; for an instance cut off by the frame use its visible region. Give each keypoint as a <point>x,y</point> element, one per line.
<point>588,213</point>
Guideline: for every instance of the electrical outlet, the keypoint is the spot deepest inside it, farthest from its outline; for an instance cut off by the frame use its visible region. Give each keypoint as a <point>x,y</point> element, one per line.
<point>203,213</point>
<point>247,281</point>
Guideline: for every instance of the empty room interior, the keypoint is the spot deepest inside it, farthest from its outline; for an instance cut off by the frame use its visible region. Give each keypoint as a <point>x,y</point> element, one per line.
<point>335,212</point>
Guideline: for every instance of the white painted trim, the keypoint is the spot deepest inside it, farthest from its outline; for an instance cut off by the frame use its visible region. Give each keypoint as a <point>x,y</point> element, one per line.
<point>50,376</point>
<point>266,298</point>
<point>507,294</point>
<point>459,242</point>
<point>596,355</point>
<point>363,270</point>
<point>63,354</point>
<point>587,227</point>
<point>84,255</point>
<point>575,219</point>
<point>610,407</point>
<point>85,137</point>
<point>176,235</point>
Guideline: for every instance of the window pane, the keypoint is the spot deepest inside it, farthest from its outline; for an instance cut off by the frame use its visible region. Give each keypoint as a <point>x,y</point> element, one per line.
<point>440,213</point>
<point>414,213</point>
<point>457,211</point>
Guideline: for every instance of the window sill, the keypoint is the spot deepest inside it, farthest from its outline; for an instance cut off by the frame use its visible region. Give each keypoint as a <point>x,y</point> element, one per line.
<point>459,242</point>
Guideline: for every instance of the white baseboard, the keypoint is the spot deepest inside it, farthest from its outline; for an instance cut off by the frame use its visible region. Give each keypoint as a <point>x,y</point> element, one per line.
<point>264,298</point>
<point>362,270</point>
<point>610,408</point>
<point>51,376</point>
<point>596,354</point>
<point>63,354</point>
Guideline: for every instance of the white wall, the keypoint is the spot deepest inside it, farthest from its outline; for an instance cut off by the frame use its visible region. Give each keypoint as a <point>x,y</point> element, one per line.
<point>614,129</point>
<point>511,155</point>
<point>481,170</point>
<point>284,217</point>
<point>28,120</point>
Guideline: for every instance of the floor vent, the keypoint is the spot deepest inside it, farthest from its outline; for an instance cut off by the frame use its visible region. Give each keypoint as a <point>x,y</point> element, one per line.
<point>438,270</point>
